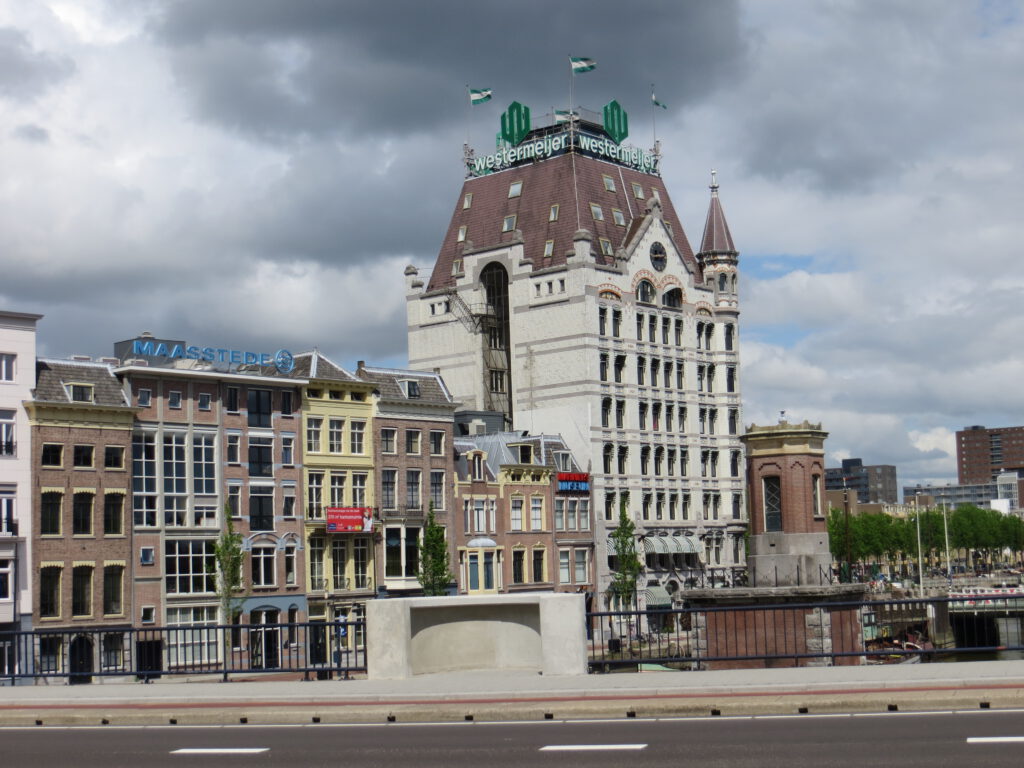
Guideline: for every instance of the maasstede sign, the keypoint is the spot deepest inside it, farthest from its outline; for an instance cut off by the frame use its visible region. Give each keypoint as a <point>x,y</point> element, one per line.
<point>282,359</point>
<point>516,150</point>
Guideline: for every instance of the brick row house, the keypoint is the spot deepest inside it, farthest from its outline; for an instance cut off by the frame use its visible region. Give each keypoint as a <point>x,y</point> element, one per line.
<point>209,446</point>
<point>526,522</point>
<point>82,562</point>
<point>413,432</point>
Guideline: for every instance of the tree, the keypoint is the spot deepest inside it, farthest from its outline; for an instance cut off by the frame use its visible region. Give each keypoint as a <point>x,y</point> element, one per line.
<point>435,574</point>
<point>623,584</point>
<point>229,559</point>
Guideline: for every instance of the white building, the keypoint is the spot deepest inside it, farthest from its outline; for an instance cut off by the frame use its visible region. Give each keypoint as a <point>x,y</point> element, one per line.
<point>566,296</point>
<point>17,380</point>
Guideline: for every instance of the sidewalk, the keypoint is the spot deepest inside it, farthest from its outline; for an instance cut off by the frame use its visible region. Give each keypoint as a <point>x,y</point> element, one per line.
<point>520,695</point>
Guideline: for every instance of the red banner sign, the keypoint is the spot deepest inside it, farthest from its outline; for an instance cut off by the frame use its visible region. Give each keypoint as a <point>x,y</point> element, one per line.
<point>573,477</point>
<point>349,519</point>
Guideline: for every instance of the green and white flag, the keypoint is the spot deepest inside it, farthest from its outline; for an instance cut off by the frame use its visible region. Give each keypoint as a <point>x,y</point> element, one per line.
<point>580,65</point>
<point>479,95</point>
<point>564,116</point>
<point>656,102</point>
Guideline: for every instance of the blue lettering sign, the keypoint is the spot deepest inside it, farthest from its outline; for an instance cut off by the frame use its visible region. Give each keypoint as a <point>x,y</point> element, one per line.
<point>282,359</point>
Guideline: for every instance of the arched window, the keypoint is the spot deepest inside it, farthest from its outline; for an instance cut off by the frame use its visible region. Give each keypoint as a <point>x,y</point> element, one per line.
<point>729,334</point>
<point>645,292</point>
<point>672,298</point>
<point>607,456</point>
<point>722,281</point>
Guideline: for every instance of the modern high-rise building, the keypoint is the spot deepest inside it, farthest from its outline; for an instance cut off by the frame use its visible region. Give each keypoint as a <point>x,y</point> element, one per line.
<point>567,297</point>
<point>983,454</point>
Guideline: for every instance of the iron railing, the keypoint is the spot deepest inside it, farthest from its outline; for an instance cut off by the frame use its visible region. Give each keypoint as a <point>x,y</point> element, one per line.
<point>809,634</point>
<point>320,649</point>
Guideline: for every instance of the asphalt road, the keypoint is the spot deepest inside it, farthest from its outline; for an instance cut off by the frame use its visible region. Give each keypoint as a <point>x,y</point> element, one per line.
<point>903,740</point>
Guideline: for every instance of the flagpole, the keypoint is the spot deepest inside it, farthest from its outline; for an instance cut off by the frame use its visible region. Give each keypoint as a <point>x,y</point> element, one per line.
<point>572,147</point>
<point>654,117</point>
<point>469,112</point>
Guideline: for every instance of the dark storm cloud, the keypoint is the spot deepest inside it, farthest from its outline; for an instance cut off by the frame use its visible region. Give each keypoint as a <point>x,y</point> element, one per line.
<point>25,72</point>
<point>275,70</point>
<point>859,93</point>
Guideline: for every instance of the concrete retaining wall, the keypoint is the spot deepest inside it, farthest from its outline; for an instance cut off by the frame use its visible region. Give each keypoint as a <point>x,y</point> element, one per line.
<point>422,635</point>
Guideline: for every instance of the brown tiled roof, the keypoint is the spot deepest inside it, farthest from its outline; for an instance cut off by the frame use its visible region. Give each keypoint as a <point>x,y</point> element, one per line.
<point>432,390</point>
<point>546,183</point>
<point>52,375</point>
<point>716,230</point>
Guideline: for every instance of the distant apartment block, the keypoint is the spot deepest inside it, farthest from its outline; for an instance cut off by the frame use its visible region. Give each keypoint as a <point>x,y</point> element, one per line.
<point>874,484</point>
<point>983,454</point>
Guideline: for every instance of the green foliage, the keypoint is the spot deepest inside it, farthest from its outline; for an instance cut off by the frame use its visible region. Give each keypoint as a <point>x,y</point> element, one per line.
<point>435,573</point>
<point>623,584</point>
<point>229,560</point>
<point>876,536</point>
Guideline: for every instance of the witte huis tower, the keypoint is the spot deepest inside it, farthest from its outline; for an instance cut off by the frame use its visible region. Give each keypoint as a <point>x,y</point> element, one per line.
<point>567,297</point>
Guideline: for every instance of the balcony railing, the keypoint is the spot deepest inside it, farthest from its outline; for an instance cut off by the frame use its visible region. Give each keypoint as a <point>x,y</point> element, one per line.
<point>8,525</point>
<point>8,448</point>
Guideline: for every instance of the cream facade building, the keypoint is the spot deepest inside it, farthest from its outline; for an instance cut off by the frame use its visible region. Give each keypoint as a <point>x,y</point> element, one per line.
<point>566,296</point>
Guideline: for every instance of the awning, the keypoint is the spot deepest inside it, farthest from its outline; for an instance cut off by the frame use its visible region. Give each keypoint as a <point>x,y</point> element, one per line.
<point>687,544</point>
<point>655,544</point>
<point>656,597</point>
<point>611,547</point>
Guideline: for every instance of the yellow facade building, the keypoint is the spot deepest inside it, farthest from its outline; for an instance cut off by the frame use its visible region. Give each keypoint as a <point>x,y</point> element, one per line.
<point>338,475</point>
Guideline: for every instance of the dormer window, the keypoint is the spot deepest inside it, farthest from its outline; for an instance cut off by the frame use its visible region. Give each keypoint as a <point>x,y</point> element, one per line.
<point>515,189</point>
<point>508,223</point>
<point>461,237</point>
<point>553,213</point>
<point>638,191</point>
<point>606,246</point>
<point>467,201</point>
<point>411,388</point>
<point>525,453</point>
<point>609,183</point>
<point>619,217</point>
<point>596,212</point>
<point>549,248</point>
<point>562,462</point>
<point>478,466</point>
<point>79,393</point>
<point>457,267</point>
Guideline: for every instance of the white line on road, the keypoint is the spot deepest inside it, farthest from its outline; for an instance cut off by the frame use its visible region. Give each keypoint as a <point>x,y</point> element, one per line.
<point>591,747</point>
<point>220,750</point>
<point>995,739</point>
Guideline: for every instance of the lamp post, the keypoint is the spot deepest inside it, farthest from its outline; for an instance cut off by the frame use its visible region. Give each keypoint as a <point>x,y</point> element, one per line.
<point>945,528</point>
<point>920,562</point>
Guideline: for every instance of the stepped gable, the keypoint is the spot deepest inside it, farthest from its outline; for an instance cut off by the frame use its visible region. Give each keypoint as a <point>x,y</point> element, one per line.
<point>53,375</point>
<point>546,183</point>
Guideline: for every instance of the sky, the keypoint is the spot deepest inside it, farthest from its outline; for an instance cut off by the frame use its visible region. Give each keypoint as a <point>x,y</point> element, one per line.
<point>256,175</point>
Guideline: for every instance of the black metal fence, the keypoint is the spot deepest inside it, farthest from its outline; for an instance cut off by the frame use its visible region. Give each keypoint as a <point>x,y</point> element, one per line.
<point>809,634</point>
<point>315,649</point>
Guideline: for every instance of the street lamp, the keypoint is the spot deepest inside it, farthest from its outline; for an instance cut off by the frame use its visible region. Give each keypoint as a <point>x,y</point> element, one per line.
<point>920,562</point>
<point>945,527</point>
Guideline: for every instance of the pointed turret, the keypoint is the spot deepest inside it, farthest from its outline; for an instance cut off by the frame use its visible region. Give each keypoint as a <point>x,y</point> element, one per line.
<point>717,238</point>
<point>718,256</point>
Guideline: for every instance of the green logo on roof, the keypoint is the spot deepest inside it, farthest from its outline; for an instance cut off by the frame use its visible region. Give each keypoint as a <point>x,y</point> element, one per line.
<point>616,122</point>
<point>515,123</point>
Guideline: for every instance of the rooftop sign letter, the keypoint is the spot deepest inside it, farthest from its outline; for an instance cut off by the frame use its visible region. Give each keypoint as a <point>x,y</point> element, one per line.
<point>515,123</point>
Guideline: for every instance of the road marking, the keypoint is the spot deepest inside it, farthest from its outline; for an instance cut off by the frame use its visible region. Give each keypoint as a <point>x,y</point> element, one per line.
<point>220,750</point>
<point>591,747</point>
<point>995,739</point>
